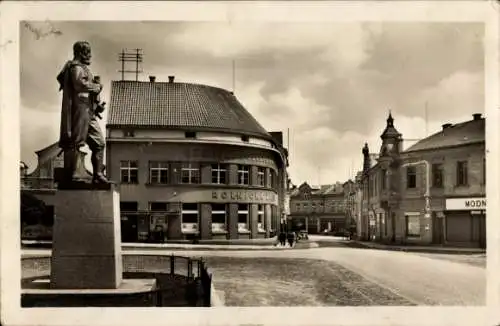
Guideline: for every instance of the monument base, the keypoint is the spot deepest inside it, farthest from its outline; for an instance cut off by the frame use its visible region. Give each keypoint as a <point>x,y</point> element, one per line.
<point>86,240</point>
<point>130,293</point>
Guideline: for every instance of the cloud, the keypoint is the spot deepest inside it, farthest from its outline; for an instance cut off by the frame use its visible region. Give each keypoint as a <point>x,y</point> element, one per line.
<point>330,84</point>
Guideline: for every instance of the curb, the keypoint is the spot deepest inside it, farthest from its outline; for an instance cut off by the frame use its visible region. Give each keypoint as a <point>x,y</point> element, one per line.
<point>451,251</point>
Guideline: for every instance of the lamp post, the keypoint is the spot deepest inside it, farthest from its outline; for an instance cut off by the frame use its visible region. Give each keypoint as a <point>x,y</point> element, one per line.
<point>427,185</point>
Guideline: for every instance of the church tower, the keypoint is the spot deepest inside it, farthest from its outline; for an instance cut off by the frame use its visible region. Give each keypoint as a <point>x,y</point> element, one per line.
<point>366,158</point>
<point>391,140</point>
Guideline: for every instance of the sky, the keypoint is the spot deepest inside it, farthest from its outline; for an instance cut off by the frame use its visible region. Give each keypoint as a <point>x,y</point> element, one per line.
<point>331,85</point>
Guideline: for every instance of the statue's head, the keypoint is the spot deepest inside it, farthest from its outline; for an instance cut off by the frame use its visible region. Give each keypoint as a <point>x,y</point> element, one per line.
<point>81,52</point>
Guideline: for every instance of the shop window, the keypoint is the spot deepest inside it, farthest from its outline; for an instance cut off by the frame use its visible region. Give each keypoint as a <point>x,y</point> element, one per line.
<point>158,206</point>
<point>129,172</point>
<point>189,218</point>
<point>243,174</point>
<point>242,217</point>
<point>437,175</point>
<point>412,225</point>
<point>219,172</point>
<point>411,177</point>
<point>462,173</point>
<point>128,206</point>
<point>158,172</point>
<point>260,218</point>
<point>219,217</point>
<point>270,178</point>
<point>261,174</point>
<point>190,173</point>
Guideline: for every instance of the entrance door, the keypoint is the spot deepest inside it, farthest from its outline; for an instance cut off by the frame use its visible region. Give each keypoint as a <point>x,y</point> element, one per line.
<point>174,231</point>
<point>482,230</point>
<point>437,230</point>
<point>459,227</point>
<point>128,228</point>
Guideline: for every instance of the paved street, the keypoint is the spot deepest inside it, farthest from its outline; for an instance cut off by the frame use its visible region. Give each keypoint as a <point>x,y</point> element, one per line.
<point>339,275</point>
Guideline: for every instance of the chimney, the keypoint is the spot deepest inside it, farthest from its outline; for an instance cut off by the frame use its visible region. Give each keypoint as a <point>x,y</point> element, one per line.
<point>477,116</point>
<point>171,79</point>
<point>446,125</point>
<point>152,79</point>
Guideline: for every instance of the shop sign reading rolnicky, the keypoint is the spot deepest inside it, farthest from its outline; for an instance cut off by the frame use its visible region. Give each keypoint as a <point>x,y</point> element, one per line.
<point>257,196</point>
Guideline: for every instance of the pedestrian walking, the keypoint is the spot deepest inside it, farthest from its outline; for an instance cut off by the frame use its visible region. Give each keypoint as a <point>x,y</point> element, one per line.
<point>291,239</point>
<point>282,238</point>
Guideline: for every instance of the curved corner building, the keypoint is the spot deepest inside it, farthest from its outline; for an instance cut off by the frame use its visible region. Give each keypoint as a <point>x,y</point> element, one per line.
<point>192,161</point>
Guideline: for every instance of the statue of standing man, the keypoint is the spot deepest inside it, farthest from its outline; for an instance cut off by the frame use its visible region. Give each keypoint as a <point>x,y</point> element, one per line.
<point>79,112</point>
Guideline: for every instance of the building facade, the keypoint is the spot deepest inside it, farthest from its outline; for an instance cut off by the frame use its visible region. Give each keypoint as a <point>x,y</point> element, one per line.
<point>431,193</point>
<point>191,161</point>
<point>351,200</point>
<point>318,209</point>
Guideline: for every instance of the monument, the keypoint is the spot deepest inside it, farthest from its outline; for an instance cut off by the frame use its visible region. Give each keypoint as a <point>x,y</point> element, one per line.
<point>86,236</point>
<point>86,262</point>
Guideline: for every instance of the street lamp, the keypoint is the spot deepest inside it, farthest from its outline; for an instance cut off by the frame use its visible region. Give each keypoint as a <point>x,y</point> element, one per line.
<point>427,185</point>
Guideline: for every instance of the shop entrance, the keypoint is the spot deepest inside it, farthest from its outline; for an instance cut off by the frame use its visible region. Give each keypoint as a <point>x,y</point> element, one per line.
<point>438,228</point>
<point>129,228</point>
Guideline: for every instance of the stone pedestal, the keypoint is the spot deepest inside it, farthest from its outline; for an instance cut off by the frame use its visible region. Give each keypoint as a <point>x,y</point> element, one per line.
<point>86,240</point>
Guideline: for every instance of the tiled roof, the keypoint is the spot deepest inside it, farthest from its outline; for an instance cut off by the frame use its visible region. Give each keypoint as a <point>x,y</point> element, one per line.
<point>468,132</point>
<point>179,105</point>
<point>328,189</point>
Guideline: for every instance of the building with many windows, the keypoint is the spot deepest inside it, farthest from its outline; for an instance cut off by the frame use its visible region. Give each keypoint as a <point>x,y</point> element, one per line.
<point>318,209</point>
<point>433,192</point>
<point>192,161</point>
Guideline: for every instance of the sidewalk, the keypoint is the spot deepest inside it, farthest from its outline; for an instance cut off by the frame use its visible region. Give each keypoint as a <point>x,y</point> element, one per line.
<point>151,247</point>
<point>426,249</point>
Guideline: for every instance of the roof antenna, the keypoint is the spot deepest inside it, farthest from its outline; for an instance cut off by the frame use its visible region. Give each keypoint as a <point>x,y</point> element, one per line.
<point>129,56</point>
<point>234,76</point>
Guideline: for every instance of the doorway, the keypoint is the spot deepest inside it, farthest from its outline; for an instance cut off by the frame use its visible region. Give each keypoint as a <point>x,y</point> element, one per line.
<point>129,228</point>
<point>437,229</point>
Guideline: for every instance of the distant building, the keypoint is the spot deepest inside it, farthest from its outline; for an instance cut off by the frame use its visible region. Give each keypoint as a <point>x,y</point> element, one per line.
<point>191,160</point>
<point>433,192</point>
<point>50,160</point>
<point>42,184</point>
<point>318,208</point>
<point>350,193</point>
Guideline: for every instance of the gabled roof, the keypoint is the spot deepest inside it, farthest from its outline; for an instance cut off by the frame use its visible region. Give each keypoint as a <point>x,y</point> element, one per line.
<point>50,148</point>
<point>319,190</point>
<point>185,106</point>
<point>469,132</point>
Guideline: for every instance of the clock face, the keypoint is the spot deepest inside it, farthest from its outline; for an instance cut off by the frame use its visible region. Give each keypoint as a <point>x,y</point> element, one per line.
<point>389,147</point>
